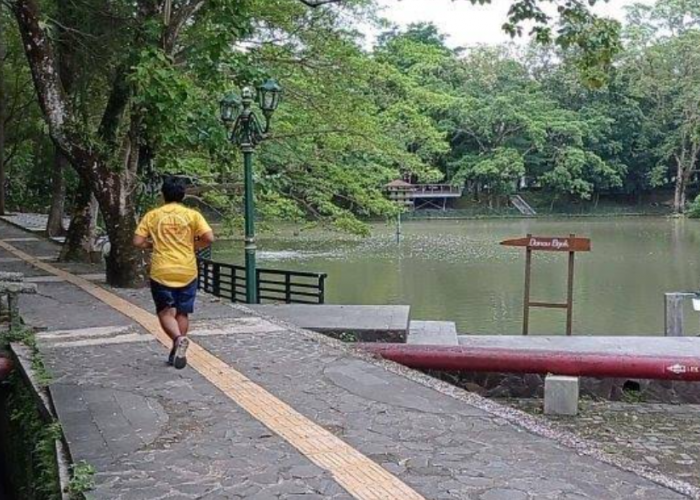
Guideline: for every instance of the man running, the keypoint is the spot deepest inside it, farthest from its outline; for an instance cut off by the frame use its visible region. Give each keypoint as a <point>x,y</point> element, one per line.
<point>174,232</point>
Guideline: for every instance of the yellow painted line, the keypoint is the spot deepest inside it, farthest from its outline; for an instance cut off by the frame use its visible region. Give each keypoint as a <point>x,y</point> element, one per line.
<point>360,476</point>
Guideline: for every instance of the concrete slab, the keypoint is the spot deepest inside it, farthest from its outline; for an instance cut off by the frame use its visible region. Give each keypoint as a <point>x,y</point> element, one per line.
<point>57,279</point>
<point>368,323</point>
<point>47,309</point>
<point>35,223</point>
<point>645,346</point>
<point>432,333</point>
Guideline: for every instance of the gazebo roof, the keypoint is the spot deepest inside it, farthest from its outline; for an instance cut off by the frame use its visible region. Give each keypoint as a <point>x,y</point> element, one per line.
<point>398,183</point>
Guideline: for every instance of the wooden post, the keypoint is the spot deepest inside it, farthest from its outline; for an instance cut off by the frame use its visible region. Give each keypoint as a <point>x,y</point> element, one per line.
<point>398,228</point>
<point>570,293</point>
<point>571,244</point>
<point>674,321</point>
<point>526,300</point>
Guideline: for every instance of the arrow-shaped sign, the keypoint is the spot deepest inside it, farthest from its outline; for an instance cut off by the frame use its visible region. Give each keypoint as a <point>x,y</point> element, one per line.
<point>567,244</point>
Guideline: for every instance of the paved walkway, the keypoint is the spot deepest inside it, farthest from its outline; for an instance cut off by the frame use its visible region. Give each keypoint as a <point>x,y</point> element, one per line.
<point>268,411</point>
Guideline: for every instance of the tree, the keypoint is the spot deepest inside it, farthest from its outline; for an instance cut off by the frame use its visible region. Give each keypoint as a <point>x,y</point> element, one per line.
<point>664,64</point>
<point>107,151</point>
<point>151,61</point>
<point>3,108</point>
<point>503,125</point>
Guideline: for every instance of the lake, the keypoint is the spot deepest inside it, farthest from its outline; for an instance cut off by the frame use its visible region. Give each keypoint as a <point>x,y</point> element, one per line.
<point>456,270</point>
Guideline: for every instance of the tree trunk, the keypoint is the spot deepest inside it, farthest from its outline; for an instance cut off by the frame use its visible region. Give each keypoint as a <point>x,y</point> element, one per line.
<point>54,226</point>
<point>81,232</point>
<point>3,112</point>
<point>116,194</point>
<point>113,187</point>
<point>66,71</point>
<point>679,191</point>
<point>124,262</point>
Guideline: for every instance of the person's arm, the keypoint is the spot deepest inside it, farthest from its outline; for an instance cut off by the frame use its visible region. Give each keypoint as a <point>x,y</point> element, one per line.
<point>141,235</point>
<point>142,242</point>
<point>205,235</point>
<point>204,240</point>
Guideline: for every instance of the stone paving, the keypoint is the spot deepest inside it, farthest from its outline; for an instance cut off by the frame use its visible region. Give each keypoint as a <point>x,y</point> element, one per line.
<point>664,437</point>
<point>153,432</point>
<point>33,222</point>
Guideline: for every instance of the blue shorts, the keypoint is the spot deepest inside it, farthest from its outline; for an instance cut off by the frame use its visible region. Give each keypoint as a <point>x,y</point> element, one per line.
<point>181,298</point>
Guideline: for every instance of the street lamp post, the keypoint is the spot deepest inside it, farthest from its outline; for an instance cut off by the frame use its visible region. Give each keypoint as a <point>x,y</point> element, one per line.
<point>247,132</point>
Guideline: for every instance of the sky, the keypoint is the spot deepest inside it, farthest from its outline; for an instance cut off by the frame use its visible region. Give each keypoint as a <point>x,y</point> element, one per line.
<point>467,24</point>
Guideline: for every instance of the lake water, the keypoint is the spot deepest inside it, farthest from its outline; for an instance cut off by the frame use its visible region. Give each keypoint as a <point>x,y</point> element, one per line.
<point>457,271</point>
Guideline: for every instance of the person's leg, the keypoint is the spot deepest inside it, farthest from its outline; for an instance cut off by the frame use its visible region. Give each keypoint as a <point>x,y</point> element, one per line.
<point>165,301</point>
<point>169,323</point>
<point>184,301</point>
<point>183,321</point>
<point>184,304</point>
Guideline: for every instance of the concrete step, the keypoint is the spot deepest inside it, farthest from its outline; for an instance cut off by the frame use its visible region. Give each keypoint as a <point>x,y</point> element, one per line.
<point>432,333</point>
<point>367,323</point>
<point>624,346</point>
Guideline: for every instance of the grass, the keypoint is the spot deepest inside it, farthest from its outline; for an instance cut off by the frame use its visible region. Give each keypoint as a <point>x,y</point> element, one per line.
<point>26,336</point>
<point>82,479</point>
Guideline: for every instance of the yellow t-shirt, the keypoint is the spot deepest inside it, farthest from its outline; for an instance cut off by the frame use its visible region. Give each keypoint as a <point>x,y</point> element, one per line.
<point>173,228</point>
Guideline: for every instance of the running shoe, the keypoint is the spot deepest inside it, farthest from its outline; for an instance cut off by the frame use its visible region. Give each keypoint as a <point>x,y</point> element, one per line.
<point>180,354</point>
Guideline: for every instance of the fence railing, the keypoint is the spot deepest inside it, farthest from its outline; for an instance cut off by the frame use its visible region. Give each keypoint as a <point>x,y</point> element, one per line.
<point>422,189</point>
<point>274,285</point>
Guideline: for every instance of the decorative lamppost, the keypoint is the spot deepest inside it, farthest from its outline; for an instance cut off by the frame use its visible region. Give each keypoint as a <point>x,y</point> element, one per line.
<point>247,132</point>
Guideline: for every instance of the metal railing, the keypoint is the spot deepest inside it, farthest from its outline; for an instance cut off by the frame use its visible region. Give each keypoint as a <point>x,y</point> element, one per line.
<point>274,285</point>
<point>422,189</point>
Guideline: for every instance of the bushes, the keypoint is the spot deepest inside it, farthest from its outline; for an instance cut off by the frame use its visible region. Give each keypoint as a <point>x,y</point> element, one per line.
<point>694,209</point>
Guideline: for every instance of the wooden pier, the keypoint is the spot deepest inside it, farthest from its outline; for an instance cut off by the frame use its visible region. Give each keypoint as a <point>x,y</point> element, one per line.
<point>417,196</point>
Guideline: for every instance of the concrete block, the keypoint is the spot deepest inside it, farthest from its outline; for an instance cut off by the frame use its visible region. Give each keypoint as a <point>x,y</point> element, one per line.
<point>561,395</point>
<point>432,333</point>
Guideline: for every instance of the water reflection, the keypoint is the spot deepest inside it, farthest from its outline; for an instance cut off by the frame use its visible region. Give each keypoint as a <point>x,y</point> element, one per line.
<point>455,270</point>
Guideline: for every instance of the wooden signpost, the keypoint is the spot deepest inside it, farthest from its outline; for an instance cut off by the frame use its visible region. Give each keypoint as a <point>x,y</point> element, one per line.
<point>572,244</point>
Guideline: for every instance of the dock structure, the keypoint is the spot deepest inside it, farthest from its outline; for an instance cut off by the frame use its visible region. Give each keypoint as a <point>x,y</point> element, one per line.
<point>523,207</point>
<point>417,196</point>
<point>267,410</point>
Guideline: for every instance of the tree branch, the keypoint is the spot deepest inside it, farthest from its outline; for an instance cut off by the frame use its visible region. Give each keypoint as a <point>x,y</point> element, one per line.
<point>53,101</point>
<point>42,62</point>
<point>318,3</point>
<point>177,21</point>
<point>116,105</point>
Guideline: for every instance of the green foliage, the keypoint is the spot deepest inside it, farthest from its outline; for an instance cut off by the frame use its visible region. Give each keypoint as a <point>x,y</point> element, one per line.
<point>82,479</point>
<point>26,336</point>
<point>347,337</point>
<point>583,116</point>
<point>498,169</point>
<point>694,208</point>
<point>664,68</point>
<point>30,452</point>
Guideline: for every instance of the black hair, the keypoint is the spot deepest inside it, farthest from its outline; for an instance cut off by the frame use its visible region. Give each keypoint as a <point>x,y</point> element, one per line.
<point>173,190</point>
